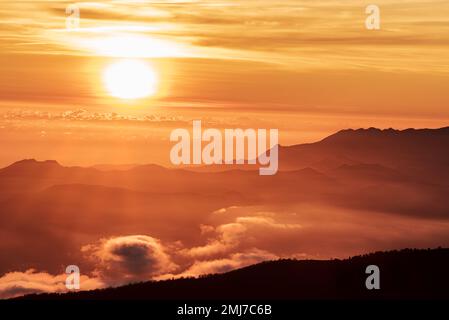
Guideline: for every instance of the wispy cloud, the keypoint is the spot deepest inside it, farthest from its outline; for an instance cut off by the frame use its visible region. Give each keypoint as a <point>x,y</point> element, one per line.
<point>302,34</point>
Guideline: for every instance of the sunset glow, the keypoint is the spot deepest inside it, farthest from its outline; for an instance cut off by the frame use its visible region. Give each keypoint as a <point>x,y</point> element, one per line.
<point>153,140</point>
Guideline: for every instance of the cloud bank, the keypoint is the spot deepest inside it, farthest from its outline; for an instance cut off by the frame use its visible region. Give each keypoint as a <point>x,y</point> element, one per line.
<point>231,238</point>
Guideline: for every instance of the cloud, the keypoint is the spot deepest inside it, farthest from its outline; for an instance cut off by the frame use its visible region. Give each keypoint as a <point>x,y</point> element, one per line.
<point>298,29</point>
<point>130,258</point>
<point>14,284</point>
<point>238,234</point>
<point>267,222</point>
<point>234,261</point>
<point>85,115</point>
<point>235,238</point>
<point>118,260</point>
<point>227,237</point>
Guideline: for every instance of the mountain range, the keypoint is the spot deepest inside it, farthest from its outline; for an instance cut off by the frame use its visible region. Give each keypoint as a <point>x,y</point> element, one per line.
<point>353,192</point>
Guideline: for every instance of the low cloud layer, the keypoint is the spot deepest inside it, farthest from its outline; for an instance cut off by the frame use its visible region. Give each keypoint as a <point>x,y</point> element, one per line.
<point>239,234</point>
<point>232,238</point>
<point>14,284</point>
<point>234,261</point>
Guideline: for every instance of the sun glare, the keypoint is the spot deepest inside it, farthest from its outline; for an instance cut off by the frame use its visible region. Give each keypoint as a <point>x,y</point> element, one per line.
<point>130,79</point>
<point>131,47</point>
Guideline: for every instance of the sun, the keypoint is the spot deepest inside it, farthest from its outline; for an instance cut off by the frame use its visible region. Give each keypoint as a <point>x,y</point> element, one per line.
<point>130,79</point>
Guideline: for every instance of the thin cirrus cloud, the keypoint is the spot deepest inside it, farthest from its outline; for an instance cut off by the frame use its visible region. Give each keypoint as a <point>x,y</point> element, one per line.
<point>302,34</point>
<point>289,54</point>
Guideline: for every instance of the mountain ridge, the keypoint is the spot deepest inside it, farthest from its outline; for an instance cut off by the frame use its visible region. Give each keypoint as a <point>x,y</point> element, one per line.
<point>338,137</point>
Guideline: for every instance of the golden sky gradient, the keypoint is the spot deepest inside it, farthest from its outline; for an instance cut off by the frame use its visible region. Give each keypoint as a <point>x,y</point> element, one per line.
<point>111,90</point>
<point>308,68</point>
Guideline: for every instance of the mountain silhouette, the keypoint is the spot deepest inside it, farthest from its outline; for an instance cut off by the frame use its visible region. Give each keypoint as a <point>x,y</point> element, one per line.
<point>411,165</point>
<point>421,153</point>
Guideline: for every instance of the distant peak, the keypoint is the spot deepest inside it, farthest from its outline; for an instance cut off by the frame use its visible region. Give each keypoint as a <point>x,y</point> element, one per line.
<point>53,162</point>
<point>376,132</point>
<point>24,161</point>
<point>370,130</point>
<point>34,162</point>
<point>44,161</point>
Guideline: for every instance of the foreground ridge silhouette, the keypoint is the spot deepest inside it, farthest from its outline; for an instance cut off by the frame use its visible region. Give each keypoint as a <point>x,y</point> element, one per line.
<point>404,274</point>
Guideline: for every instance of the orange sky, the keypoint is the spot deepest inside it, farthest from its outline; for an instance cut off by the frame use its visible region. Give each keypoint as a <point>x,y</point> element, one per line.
<point>308,68</point>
